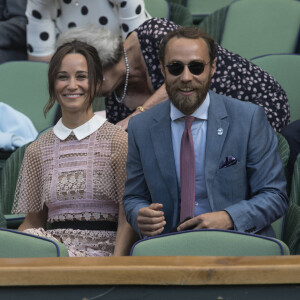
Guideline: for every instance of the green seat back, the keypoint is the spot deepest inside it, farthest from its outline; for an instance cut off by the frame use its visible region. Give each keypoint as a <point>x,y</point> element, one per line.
<point>285,68</point>
<point>2,219</point>
<point>295,185</point>
<point>19,244</point>
<point>284,151</point>
<point>180,15</point>
<point>209,242</point>
<point>257,27</point>
<point>24,86</point>
<point>292,229</point>
<point>158,8</point>
<point>202,8</point>
<point>8,182</point>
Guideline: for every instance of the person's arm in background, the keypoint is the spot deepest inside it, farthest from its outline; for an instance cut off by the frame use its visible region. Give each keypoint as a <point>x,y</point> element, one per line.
<point>13,30</point>
<point>159,96</point>
<point>41,34</point>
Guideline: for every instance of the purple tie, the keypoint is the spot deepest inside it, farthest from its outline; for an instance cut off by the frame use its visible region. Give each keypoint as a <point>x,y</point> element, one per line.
<point>187,171</point>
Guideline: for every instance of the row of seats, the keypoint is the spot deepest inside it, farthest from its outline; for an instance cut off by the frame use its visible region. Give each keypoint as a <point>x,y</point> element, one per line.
<point>249,28</point>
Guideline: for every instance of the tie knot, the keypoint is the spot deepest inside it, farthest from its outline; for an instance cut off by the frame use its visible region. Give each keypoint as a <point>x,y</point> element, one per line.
<point>189,121</point>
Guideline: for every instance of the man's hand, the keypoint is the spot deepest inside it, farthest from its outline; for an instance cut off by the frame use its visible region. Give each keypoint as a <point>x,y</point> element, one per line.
<point>213,220</point>
<point>151,220</point>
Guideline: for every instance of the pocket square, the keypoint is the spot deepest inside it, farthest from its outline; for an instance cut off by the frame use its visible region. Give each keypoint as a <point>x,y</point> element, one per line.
<point>229,161</point>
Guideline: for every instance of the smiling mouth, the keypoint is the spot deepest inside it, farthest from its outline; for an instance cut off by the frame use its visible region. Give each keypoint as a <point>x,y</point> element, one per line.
<point>186,90</point>
<point>72,95</point>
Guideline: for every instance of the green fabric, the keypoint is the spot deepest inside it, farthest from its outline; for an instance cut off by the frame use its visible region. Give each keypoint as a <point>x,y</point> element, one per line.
<point>213,24</point>
<point>10,173</point>
<point>180,15</point>
<point>208,243</point>
<point>292,229</point>
<point>24,86</point>
<point>17,244</point>
<point>284,151</point>
<point>14,221</point>
<point>285,68</point>
<point>2,219</point>
<point>202,8</point>
<point>99,104</point>
<point>258,27</point>
<point>157,8</point>
<point>295,186</point>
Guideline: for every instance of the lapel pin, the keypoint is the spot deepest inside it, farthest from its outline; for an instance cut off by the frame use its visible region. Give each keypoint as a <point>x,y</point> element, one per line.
<point>220,131</point>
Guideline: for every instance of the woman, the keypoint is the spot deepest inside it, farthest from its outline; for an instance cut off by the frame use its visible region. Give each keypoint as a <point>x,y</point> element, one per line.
<point>73,176</point>
<point>47,19</point>
<point>133,76</point>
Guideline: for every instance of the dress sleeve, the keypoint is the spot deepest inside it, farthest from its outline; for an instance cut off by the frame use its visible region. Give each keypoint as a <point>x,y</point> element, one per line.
<point>119,156</point>
<point>239,78</point>
<point>41,32</point>
<point>29,184</point>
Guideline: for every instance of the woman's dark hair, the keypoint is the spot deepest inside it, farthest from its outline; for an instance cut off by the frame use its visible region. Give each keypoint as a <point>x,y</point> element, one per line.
<point>95,73</point>
<point>188,33</point>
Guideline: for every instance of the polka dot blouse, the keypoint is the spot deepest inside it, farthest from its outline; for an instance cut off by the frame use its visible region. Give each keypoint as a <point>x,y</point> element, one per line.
<point>48,18</point>
<point>235,77</point>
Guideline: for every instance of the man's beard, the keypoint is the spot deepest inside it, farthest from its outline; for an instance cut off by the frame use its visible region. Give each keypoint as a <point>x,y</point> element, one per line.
<point>187,104</point>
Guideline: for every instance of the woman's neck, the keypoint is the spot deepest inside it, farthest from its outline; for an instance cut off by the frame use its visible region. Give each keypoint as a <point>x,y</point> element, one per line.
<point>73,120</point>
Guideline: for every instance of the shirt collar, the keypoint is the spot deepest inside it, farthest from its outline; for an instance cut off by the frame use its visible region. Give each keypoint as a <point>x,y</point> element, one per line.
<point>200,113</point>
<point>81,132</point>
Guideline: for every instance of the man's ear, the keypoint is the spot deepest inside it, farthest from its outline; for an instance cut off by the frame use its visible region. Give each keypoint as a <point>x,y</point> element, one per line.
<point>162,69</point>
<point>213,67</point>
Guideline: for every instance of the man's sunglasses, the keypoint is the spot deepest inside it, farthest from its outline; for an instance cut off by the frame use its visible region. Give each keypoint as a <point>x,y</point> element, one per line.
<point>196,67</point>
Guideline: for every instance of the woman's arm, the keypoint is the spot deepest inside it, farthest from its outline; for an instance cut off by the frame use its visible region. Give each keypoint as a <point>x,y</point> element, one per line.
<point>158,96</point>
<point>35,220</point>
<point>126,236</point>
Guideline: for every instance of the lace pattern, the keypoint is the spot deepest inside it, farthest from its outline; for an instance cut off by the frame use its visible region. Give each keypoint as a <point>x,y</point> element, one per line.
<point>76,180</point>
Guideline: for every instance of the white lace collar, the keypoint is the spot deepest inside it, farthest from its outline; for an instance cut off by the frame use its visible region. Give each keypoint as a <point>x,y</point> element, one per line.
<point>81,132</point>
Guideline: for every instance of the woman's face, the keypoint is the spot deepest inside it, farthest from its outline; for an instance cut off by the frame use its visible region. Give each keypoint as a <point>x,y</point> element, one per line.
<point>71,84</point>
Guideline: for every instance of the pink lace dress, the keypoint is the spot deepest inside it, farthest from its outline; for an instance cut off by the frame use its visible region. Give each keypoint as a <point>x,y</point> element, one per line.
<point>77,181</point>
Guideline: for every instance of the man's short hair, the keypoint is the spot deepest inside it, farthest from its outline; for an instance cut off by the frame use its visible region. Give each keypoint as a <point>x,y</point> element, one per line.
<point>188,33</point>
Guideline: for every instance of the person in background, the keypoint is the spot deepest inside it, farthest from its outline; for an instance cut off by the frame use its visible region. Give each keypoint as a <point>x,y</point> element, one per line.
<point>16,129</point>
<point>48,19</point>
<point>72,177</point>
<point>12,30</point>
<point>134,82</point>
<point>203,159</point>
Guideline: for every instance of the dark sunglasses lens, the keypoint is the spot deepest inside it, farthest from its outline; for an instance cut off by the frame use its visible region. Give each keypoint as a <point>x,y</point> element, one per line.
<point>175,68</point>
<point>196,67</point>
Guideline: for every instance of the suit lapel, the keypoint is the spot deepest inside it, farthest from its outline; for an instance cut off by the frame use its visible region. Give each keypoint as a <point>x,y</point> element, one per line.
<point>217,127</point>
<point>163,149</point>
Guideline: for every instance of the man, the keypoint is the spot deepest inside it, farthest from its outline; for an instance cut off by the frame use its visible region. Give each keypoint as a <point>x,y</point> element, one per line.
<point>237,176</point>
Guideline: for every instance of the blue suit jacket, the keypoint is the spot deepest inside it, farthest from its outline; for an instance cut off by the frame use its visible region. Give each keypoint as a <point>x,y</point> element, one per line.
<point>251,191</point>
